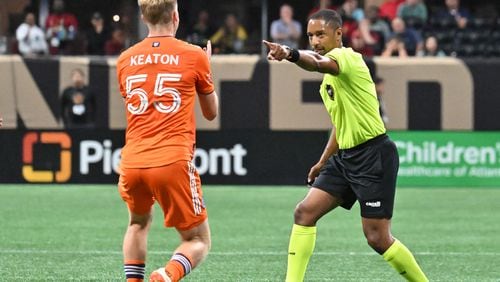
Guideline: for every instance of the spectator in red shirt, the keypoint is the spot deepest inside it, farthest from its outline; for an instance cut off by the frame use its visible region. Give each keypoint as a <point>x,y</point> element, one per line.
<point>322,4</point>
<point>359,44</point>
<point>61,28</point>
<point>351,15</point>
<point>116,44</point>
<point>389,9</point>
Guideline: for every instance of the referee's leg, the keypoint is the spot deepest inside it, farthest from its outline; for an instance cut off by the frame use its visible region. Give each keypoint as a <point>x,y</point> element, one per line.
<point>376,217</point>
<point>303,236</point>
<point>378,234</point>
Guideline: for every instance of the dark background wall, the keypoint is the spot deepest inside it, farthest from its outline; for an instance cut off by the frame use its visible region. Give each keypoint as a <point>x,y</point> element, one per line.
<point>248,103</point>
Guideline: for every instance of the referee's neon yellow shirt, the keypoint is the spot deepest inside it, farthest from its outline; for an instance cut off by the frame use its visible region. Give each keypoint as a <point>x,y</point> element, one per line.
<point>351,100</point>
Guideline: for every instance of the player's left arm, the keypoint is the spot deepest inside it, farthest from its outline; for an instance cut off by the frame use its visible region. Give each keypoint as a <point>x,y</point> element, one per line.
<point>306,59</point>
<point>209,103</point>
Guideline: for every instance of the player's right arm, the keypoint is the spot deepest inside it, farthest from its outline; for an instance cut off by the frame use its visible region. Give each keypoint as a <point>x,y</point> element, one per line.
<point>331,148</point>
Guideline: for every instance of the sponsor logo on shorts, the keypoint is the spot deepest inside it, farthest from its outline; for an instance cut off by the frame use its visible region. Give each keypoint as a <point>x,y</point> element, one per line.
<point>373,204</point>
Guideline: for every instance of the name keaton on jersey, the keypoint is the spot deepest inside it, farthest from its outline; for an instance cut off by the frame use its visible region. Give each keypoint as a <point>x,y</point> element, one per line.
<point>149,59</point>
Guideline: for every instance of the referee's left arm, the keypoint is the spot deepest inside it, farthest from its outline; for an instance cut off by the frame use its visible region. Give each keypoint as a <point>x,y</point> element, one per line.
<point>331,147</point>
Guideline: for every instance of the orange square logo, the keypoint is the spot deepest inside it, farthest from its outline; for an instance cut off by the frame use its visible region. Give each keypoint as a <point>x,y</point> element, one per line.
<point>30,174</point>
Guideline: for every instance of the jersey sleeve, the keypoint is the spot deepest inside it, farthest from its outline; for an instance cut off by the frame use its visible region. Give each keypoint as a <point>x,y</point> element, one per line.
<point>339,55</point>
<point>204,83</point>
<point>119,71</point>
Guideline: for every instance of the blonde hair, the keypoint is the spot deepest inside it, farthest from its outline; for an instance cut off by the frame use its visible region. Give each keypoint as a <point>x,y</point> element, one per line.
<point>157,11</point>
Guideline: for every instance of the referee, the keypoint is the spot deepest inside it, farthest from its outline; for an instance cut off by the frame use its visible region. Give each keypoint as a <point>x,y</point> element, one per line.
<point>359,162</point>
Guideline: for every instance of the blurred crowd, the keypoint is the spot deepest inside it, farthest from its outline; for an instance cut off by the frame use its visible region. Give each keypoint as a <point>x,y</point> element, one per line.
<point>62,34</point>
<point>405,28</point>
<point>391,28</point>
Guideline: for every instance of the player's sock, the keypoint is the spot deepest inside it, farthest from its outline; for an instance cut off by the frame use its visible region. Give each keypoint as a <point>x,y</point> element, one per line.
<point>178,267</point>
<point>300,249</point>
<point>401,259</point>
<point>134,270</point>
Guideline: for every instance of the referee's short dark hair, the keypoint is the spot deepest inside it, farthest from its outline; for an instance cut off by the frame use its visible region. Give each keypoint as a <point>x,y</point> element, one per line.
<point>329,16</point>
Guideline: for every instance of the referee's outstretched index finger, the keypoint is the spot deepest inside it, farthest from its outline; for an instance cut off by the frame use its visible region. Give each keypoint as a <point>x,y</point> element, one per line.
<point>269,45</point>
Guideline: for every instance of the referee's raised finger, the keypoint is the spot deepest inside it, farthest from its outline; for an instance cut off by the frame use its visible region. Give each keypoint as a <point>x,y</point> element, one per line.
<point>268,44</point>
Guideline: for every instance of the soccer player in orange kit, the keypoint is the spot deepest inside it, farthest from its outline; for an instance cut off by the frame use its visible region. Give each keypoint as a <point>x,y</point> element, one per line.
<point>159,79</point>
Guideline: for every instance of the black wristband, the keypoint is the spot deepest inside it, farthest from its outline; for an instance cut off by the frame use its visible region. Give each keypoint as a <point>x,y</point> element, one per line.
<point>294,55</point>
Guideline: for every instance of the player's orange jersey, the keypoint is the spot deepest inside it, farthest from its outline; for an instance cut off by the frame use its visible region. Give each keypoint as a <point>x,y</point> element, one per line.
<point>159,78</point>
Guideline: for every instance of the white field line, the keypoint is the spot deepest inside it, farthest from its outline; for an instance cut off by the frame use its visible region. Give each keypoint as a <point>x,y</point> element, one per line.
<point>111,252</point>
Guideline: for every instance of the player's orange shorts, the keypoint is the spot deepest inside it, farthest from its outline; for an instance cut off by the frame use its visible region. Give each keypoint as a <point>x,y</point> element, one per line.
<point>176,187</point>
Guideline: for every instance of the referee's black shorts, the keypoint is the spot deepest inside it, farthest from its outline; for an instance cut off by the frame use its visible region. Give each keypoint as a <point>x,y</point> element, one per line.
<point>366,173</point>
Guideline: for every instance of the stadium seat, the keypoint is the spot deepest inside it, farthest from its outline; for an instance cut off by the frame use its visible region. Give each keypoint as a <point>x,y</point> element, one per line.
<point>447,23</point>
<point>480,50</point>
<point>488,50</point>
<point>461,36</point>
<point>448,48</point>
<point>484,34</point>
<point>472,36</point>
<point>491,51</point>
<point>444,36</point>
<point>481,23</point>
<point>494,36</point>
<point>495,50</point>
<point>466,50</point>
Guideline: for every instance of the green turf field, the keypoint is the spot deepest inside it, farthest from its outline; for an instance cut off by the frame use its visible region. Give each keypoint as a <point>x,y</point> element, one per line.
<point>74,233</point>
